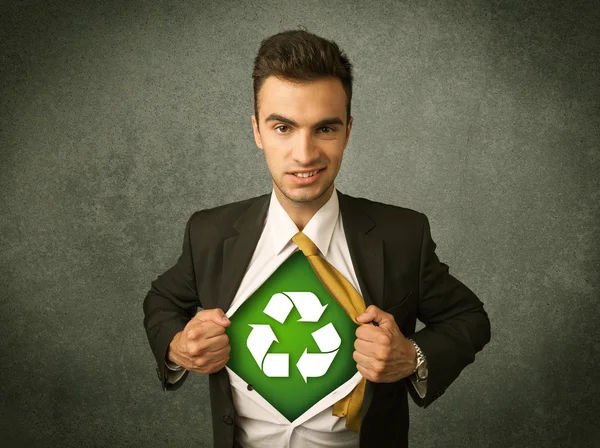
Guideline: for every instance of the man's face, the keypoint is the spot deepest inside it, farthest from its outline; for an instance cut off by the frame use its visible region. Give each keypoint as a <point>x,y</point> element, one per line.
<point>302,129</point>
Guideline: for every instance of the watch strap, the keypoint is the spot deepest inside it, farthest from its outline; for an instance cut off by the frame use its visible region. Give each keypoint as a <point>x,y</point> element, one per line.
<point>420,360</point>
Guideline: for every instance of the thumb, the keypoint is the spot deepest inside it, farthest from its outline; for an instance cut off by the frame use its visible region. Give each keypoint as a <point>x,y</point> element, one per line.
<point>217,315</point>
<point>373,313</point>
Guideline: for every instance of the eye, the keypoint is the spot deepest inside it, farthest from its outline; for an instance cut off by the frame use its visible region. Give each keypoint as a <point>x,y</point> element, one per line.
<point>327,127</point>
<point>281,126</point>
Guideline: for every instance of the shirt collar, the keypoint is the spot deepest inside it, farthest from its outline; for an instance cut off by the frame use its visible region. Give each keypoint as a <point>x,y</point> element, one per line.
<point>319,229</point>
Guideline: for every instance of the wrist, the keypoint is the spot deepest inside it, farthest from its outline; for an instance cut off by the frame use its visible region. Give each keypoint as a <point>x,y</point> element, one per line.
<point>171,349</point>
<point>415,357</point>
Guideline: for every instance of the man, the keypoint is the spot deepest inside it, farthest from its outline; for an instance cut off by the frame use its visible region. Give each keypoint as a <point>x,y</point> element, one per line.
<point>302,123</point>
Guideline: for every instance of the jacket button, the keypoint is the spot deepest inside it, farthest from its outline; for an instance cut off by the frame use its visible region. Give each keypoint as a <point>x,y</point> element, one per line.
<point>228,420</point>
<point>250,387</point>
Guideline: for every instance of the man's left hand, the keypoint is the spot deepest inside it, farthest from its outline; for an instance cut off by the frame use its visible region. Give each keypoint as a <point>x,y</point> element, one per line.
<point>383,354</point>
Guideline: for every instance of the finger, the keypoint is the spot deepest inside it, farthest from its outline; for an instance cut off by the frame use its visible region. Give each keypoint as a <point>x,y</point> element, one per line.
<point>371,333</point>
<point>377,352</point>
<point>217,343</point>
<point>368,362</point>
<point>204,330</point>
<point>218,365</point>
<point>215,314</point>
<point>369,349</point>
<point>216,355</point>
<point>206,346</point>
<point>375,314</point>
<point>367,373</point>
<point>209,362</point>
<point>210,367</point>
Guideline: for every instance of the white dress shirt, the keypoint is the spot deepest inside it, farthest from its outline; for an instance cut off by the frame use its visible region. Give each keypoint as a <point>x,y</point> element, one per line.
<point>258,423</point>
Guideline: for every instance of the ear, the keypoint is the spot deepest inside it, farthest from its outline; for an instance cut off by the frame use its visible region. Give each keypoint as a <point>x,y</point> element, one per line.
<point>257,138</point>
<point>348,132</point>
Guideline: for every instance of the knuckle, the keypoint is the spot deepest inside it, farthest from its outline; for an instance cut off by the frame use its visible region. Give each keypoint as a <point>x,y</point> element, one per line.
<point>196,332</point>
<point>384,353</point>
<point>196,350</point>
<point>200,363</point>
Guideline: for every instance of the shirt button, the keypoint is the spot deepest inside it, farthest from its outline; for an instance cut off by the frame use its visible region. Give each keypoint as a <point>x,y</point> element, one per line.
<point>250,387</point>
<point>228,420</point>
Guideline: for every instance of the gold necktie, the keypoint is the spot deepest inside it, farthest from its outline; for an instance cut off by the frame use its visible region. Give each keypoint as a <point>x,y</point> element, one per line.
<point>353,303</point>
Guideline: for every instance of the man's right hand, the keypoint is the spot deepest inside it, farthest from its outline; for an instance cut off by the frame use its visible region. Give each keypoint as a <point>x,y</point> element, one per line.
<point>202,346</point>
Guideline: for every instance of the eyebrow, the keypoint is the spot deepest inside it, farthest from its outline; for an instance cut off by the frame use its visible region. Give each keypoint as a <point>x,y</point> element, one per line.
<point>326,121</point>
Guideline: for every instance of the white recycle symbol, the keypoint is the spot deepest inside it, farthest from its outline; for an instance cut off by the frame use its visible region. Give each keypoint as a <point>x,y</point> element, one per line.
<point>262,336</point>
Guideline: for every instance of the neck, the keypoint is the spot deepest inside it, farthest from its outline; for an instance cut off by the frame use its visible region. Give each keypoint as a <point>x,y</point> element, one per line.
<point>301,212</point>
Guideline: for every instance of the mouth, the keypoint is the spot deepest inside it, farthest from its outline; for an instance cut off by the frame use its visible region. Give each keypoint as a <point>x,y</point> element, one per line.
<point>305,174</point>
<point>307,177</point>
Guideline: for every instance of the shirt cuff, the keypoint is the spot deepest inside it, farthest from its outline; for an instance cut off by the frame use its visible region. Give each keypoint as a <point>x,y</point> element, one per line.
<point>420,386</point>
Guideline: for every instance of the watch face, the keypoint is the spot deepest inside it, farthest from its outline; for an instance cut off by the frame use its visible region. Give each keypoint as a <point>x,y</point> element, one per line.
<point>422,371</point>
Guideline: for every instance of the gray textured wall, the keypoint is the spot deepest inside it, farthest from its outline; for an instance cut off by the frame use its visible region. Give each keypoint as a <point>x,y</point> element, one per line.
<point>119,119</point>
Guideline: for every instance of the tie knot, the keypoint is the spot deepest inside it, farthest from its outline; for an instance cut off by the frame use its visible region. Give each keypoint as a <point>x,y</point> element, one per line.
<point>305,244</point>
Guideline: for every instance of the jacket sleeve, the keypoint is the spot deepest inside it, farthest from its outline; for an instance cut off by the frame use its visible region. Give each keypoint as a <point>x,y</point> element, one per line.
<point>456,325</point>
<point>169,305</point>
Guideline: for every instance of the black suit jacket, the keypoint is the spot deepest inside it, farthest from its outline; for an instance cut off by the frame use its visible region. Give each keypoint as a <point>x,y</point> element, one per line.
<point>397,269</point>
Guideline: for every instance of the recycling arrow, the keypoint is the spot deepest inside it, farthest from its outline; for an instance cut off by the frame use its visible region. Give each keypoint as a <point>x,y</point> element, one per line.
<point>317,364</point>
<point>314,364</point>
<point>308,306</point>
<point>261,337</point>
<point>259,341</point>
<point>306,303</point>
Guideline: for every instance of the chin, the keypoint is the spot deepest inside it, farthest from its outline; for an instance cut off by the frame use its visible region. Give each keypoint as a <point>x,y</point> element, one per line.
<point>307,194</point>
<point>304,196</point>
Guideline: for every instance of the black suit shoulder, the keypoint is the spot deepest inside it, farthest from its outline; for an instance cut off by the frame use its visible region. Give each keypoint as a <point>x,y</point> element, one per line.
<point>390,217</point>
<point>220,217</point>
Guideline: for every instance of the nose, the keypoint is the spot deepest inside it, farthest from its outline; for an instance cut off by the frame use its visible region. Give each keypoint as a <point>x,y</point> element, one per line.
<point>304,151</point>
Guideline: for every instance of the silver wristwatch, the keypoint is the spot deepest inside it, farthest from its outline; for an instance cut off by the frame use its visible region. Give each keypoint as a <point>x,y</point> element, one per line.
<point>421,371</point>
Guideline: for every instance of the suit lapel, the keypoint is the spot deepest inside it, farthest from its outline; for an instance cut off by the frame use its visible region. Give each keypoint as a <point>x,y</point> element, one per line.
<point>366,251</point>
<point>239,248</point>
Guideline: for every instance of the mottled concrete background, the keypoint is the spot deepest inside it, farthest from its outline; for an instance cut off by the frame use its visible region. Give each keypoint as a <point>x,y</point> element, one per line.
<point>119,119</point>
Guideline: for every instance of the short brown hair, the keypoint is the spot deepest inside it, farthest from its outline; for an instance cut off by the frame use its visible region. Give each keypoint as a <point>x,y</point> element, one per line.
<point>300,56</point>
